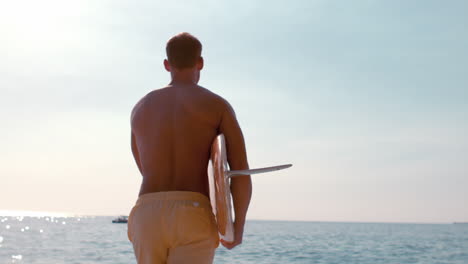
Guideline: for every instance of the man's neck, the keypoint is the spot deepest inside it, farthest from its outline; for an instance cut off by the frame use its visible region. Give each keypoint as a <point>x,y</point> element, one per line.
<point>185,77</point>
<point>179,82</point>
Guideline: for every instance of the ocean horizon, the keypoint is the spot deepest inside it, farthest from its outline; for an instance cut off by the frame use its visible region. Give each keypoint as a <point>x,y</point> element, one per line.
<point>21,213</point>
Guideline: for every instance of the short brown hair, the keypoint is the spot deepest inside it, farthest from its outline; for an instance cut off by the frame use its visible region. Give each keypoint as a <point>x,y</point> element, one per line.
<point>183,50</point>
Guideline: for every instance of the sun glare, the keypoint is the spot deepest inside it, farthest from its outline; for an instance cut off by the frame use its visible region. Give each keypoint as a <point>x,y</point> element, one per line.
<point>35,25</point>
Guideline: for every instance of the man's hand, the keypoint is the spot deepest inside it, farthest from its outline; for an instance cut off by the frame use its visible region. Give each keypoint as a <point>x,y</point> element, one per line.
<point>238,234</point>
<point>231,245</point>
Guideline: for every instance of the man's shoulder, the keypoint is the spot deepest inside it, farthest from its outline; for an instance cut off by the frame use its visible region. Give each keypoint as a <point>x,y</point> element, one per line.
<point>140,104</point>
<point>147,97</point>
<point>216,98</point>
<point>136,108</point>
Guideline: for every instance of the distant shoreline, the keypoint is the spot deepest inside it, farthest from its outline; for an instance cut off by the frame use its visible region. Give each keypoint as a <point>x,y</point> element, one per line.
<point>65,215</point>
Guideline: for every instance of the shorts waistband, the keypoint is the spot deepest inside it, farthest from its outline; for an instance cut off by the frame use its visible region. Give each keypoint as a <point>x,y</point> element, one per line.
<point>175,196</point>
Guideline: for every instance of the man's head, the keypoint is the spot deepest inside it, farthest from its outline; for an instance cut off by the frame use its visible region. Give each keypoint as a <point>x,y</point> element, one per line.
<point>183,53</point>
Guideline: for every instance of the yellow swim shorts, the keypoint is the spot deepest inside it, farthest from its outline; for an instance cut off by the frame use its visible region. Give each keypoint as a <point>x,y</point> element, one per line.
<point>173,227</point>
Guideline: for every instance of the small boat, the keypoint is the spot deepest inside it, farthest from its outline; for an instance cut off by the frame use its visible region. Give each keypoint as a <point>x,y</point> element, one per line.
<point>121,219</point>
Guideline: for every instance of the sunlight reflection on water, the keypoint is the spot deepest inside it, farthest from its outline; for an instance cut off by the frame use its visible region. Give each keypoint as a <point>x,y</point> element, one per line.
<point>63,240</point>
<point>16,258</point>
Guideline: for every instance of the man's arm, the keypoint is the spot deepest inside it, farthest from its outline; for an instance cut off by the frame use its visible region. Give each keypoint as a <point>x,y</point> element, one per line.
<point>241,186</point>
<point>136,155</point>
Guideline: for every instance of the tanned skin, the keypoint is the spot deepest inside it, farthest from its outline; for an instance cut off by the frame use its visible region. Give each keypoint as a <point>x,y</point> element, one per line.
<point>172,132</point>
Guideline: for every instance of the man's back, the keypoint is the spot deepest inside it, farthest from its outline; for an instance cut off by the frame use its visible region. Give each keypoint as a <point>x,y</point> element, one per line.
<point>172,132</point>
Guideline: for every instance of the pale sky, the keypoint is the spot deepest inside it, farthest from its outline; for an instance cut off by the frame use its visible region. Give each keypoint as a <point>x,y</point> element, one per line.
<point>368,100</point>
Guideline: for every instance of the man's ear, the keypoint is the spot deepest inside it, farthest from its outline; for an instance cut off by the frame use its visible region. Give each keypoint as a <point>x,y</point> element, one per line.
<point>200,63</point>
<point>167,66</point>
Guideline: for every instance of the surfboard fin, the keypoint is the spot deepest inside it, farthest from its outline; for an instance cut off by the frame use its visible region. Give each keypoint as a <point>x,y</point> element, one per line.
<point>256,171</point>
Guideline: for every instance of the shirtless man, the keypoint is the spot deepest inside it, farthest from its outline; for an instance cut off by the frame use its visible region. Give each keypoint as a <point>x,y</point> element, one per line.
<point>172,132</point>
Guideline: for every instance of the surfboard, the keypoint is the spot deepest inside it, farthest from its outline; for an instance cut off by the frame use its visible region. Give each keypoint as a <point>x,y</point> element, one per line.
<point>219,178</point>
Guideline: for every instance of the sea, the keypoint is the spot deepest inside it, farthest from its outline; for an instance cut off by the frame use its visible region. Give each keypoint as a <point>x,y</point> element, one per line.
<point>92,240</point>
